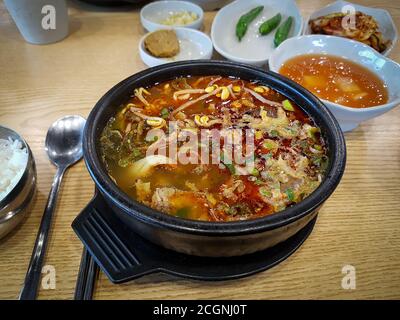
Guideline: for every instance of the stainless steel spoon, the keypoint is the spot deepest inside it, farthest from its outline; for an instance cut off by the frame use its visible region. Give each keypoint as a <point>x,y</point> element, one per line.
<point>64,148</point>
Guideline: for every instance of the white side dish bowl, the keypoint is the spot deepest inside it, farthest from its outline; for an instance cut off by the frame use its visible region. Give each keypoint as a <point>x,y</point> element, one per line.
<point>388,70</point>
<point>209,5</point>
<point>254,49</point>
<point>193,45</point>
<point>382,17</point>
<point>154,13</point>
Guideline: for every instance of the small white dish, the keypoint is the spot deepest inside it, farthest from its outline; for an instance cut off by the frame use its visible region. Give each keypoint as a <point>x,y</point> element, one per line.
<point>388,70</point>
<point>210,5</point>
<point>152,14</point>
<point>193,44</point>
<point>254,49</point>
<point>383,18</point>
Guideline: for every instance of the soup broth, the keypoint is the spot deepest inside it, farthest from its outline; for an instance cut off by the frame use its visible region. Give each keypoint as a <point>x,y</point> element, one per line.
<point>286,164</point>
<point>336,79</point>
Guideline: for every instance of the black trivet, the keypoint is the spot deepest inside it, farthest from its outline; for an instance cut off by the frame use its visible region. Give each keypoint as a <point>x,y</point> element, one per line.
<point>123,255</point>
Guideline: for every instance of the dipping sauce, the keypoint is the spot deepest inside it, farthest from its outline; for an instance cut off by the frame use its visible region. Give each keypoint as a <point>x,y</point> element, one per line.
<point>336,79</point>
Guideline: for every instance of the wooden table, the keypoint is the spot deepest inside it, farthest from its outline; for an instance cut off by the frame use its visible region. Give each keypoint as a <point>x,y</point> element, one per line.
<point>359,225</point>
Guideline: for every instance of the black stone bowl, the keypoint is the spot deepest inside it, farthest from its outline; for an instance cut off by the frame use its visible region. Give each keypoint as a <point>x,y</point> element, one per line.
<point>214,239</point>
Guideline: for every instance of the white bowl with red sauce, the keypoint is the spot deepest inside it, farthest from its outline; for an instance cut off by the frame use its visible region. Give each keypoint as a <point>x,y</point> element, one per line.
<point>383,68</point>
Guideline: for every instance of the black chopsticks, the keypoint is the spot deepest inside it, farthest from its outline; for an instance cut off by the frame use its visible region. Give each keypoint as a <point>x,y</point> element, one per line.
<point>88,273</point>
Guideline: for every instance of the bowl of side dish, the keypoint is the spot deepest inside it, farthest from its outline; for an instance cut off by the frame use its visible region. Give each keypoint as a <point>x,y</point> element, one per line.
<point>210,5</point>
<point>354,81</point>
<point>17,180</point>
<point>166,14</point>
<point>372,26</point>
<point>178,44</point>
<point>249,31</point>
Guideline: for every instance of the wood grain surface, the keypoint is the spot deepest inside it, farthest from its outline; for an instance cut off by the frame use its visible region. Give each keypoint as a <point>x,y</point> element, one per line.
<point>359,225</point>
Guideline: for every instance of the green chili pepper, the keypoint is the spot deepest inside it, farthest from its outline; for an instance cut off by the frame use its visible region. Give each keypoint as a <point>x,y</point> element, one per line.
<point>270,24</point>
<point>245,20</point>
<point>283,31</point>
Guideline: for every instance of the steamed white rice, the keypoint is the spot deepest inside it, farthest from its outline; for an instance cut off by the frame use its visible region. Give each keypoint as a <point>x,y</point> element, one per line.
<point>13,160</point>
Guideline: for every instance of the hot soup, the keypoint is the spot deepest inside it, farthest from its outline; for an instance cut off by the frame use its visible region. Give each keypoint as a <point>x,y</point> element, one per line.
<point>153,149</point>
<point>336,79</point>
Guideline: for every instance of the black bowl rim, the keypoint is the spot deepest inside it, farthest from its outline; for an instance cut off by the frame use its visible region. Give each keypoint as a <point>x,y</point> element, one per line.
<point>157,218</point>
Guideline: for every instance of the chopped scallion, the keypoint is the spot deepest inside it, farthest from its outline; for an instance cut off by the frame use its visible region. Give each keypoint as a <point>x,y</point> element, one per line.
<point>317,147</point>
<point>270,144</point>
<point>255,172</point>
<point>273,133</point>
<point>287,105</point>
<point>312,133</point>
<point>290,194</point>
<point>164,113</point>
<point>264,192</point>
<point>230,167</point>
<point>182,212</point>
